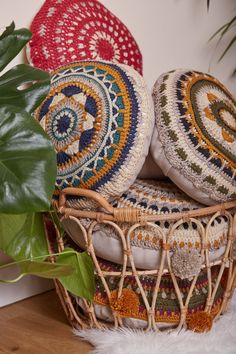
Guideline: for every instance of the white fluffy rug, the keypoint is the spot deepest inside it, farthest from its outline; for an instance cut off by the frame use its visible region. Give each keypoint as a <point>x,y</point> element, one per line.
<point>221,339</point>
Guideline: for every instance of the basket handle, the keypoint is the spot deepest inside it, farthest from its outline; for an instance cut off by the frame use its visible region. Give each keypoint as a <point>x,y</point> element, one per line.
<point>118,214</point>
<point>80,192</point>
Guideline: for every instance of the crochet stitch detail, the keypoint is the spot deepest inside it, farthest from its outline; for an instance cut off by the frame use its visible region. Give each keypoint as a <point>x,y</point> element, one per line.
<point>163,197</point>
<point>196,124</point>
<point>99,118</point>
<point>66,31</point>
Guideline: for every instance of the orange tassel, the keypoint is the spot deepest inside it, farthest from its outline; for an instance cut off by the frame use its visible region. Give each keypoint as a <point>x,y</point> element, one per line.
<point>200,322</point>
<point>127,304</point>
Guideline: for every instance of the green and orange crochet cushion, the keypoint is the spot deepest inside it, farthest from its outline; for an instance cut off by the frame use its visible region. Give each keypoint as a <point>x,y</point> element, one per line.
<point>100,119</point>
<point>131,306</point>
<point>153,198</point>
<point>194,140</point>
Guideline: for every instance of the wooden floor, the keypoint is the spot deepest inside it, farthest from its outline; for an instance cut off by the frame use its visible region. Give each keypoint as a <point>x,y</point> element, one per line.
<point>38,326</point>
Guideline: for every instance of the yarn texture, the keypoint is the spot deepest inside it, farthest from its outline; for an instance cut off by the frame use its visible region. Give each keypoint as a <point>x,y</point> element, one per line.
<point>163,197</point>
<point>186,263</point>
<point>126,304</point>
<point>131,304</point>
<point>65,31</point>
<point>195,132</point>
<point>99,118</point>
<point>154,198</point>
<point>200,322</point>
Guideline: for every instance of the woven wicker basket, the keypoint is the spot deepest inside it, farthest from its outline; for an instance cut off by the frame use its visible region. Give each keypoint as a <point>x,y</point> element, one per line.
<point>113,216</point>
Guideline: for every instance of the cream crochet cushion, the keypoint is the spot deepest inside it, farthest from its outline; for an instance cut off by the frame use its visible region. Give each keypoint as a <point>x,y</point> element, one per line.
<point>194,140</point>
<point>154,198</point>
<point>100,119</point>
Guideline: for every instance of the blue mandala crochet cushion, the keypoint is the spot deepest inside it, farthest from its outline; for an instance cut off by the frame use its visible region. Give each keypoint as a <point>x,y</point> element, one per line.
<point>194,140</point>
<point>100,118</point>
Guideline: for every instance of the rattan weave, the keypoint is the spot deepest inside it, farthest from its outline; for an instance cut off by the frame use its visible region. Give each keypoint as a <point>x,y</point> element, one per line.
<point>112,216</point>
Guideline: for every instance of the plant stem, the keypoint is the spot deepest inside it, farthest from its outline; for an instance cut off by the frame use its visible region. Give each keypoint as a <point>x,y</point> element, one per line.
<point>13,280</point>
<point>35,258</point>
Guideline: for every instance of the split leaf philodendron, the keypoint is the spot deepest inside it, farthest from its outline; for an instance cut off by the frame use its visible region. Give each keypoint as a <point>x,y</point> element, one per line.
<point>27,176</point>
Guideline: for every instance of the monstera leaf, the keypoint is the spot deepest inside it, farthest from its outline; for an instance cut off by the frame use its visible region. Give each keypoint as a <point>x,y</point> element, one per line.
<point>27,158</point>
<point>27,163</point>
<point>23,239</point>
<point>23,236</point>
<point>24,87</point>
<point>28,173</point>
<point>11,43</point>
<point>81,282</point>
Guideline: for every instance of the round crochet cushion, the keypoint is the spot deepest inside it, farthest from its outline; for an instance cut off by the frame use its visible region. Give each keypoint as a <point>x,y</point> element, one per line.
<point>64,31</point>
<point>194,140</point>
<point>154,198</point>
<point>99,117</point>
<point>167,308</point>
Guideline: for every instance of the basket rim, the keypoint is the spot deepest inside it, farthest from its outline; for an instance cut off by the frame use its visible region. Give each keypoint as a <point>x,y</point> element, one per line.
<point>130,214</point>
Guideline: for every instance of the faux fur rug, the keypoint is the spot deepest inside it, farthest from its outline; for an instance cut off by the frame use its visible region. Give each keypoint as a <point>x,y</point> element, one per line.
<point>221,339</point>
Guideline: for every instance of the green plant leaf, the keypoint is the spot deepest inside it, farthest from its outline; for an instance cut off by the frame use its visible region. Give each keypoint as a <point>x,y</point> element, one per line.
<point>10,225</point>
<point>208,5</point>
<point>222,32</point>
<point>9,30</point>
<point>24,86</point>
<point>27,163</point>
<point>42,269</point>
<point>57,223</point>
<point>22,236</point>
<point>46,269</point>
<point>228,26</point>
<point>217,32</point>
<point>81,282</point>
<point>223,29</point>
<point>227,48</point>
<point>11,43</point>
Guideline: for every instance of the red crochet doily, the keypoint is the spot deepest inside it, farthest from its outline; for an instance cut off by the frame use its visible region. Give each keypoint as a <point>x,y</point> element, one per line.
<point>65,31</point>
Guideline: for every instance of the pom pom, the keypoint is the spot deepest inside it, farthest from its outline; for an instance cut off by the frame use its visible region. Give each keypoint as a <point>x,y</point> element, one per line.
<point>200,322</point>
<point>127,304</point>
<point>186,263</point>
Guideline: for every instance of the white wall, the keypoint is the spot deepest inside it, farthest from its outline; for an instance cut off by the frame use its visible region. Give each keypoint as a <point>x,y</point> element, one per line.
<point>174,34</point>
<point>171,34</point>
<point>28,286</point>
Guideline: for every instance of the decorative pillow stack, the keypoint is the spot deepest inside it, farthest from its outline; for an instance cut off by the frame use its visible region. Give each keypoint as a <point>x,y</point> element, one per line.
<point>99,117</point>
<point>194,140</point>
<point>65,31</point>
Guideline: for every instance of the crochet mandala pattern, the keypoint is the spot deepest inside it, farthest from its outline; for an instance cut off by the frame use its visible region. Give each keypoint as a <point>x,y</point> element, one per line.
<point>196,127</point>
<point>65,31</point>
<point>99,118</point>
